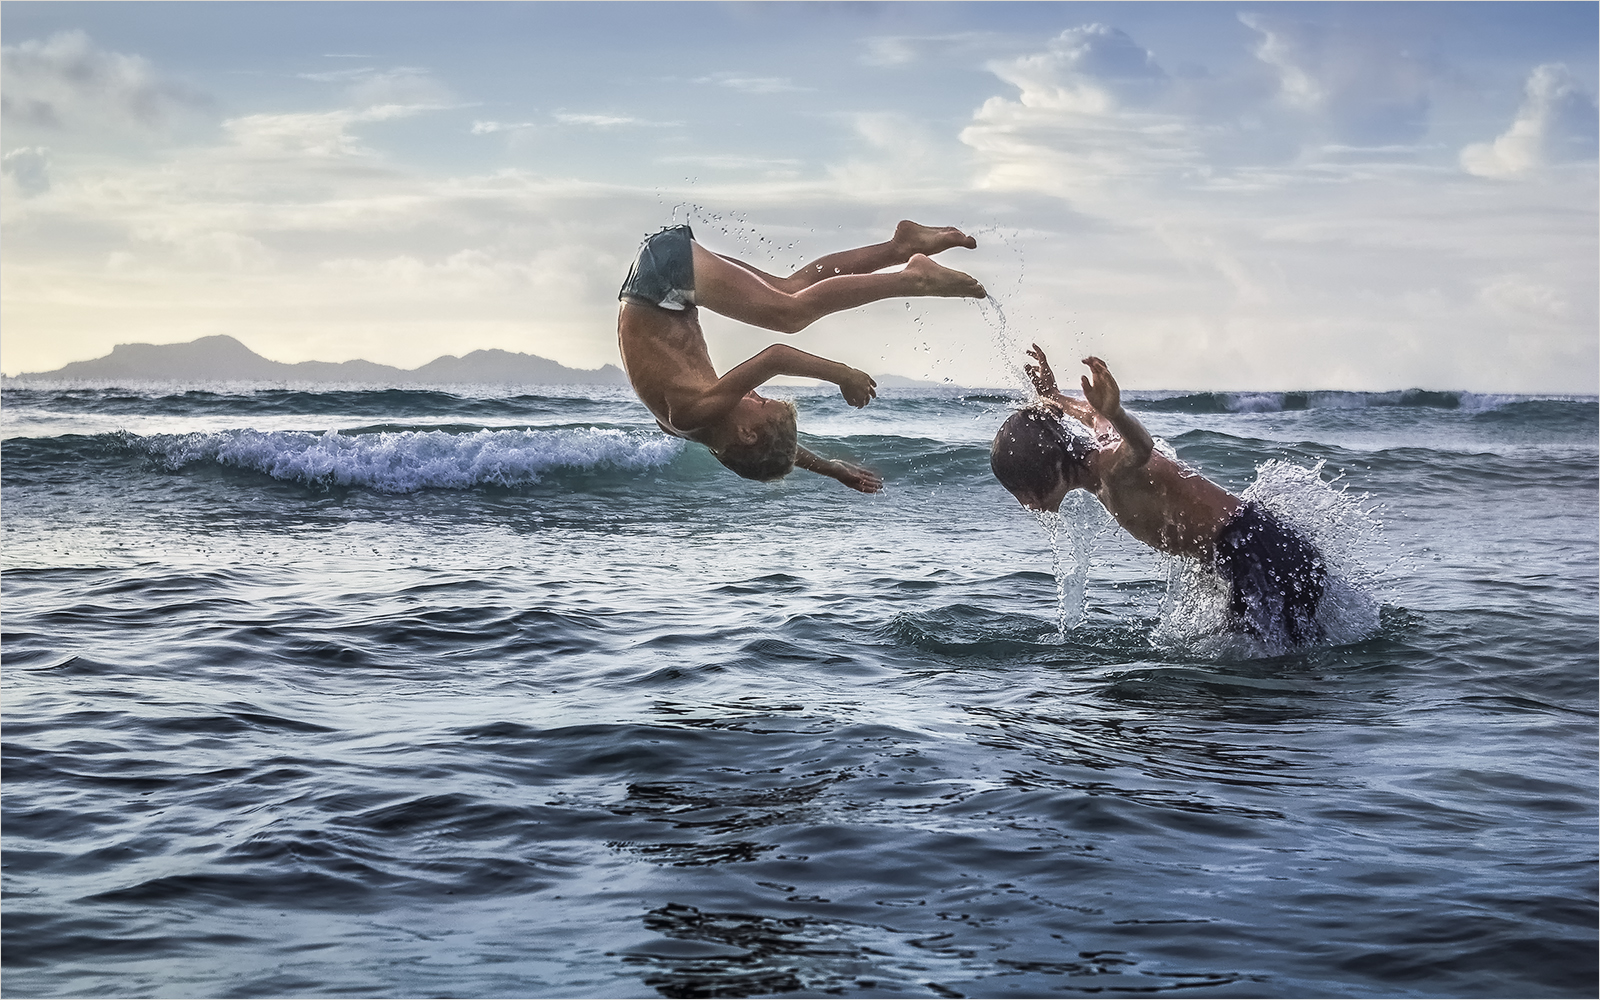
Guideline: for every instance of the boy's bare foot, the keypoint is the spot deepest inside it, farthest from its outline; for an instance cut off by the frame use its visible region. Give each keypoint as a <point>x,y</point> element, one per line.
<point>935,279</point>
<point>915,238</point>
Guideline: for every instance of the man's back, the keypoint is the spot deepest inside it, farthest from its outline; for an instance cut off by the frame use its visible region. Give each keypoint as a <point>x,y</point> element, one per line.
<point>1163,503</point>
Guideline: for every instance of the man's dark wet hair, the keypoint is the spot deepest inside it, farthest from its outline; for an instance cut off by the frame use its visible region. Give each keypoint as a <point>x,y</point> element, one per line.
<point>1033,452</point>
<point>771,455</point>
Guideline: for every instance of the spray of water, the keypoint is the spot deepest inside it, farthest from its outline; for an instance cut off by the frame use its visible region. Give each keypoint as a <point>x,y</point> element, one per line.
<point>1340,524</point>
<point>1071,532</point>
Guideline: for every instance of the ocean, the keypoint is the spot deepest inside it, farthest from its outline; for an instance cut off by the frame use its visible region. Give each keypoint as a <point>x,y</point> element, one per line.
<point>499,692</point>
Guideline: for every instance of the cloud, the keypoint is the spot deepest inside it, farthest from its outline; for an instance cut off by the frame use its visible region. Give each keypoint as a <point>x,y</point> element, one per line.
<point>903,50</point>
<point>489,128</point>
<point>1091,69</point>
<point>368,85</point>
<point>1556,124</point>
<point>900,156</point>
<point>754,84</point>
<point>315,135</point>
<point>1084,118</point>
<point>608,121</point>
<point>29,169</point>
<point>1517,297</point>
<point>1359,88</point>
<point>763,167</point>
<point>67,81</point>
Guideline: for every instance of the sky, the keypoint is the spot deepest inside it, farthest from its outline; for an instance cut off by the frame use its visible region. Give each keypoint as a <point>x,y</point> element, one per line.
<point>1210,196</point>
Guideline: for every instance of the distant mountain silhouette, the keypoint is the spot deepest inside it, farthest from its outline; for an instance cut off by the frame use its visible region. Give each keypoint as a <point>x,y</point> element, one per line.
<point>221,358</point>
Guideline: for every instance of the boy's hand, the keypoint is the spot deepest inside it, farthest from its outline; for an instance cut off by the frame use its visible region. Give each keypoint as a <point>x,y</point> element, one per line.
<point>1102,393</point>
<point>858,388</point>
<point>1044,379</point>
<point>857,478</point>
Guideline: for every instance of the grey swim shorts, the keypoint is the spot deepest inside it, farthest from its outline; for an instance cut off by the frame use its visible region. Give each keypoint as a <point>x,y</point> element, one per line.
<point>663,274</point>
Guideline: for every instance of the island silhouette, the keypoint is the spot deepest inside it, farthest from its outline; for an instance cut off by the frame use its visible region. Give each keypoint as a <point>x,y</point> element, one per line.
<point>222,358</point>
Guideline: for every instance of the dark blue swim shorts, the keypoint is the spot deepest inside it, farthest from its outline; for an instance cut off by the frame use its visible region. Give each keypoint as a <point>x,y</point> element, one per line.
<point>663,274</point>
<point>1276,577</point>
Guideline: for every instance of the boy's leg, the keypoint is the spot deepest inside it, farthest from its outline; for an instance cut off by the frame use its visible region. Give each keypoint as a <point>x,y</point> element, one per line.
<point>726,287</point>
<point>909,239</point>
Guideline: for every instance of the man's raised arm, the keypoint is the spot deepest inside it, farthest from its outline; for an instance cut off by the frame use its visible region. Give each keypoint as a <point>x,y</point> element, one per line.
<point>1044,383</point>
<point>1104,395</point>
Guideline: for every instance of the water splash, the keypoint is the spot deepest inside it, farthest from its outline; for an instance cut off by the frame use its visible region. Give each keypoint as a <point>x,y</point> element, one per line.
<point>1342,526</point>
<point>1072,532</point>
<point>1005,346</point>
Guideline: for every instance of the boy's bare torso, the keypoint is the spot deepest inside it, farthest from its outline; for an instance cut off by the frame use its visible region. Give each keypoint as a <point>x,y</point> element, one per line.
<point>665,356</point>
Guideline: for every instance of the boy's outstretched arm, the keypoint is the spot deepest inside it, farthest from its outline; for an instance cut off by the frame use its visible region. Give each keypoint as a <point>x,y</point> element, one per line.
<point>857,387</point>
<point>1105,396</point>
<point>852,476</point>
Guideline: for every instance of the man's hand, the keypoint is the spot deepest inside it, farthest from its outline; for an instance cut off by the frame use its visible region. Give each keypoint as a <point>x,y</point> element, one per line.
<point>858,388</point>
<point>857,478</point>
<point>1102,393</point>
<point>1044,379</point>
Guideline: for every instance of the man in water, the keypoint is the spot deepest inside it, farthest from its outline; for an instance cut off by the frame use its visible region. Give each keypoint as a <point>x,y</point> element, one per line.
<point>665,355</point>
<point>1276,578</point>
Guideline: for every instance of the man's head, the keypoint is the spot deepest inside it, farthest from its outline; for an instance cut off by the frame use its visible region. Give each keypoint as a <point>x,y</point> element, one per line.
<point>1038,459</point>
<point>762,439</point>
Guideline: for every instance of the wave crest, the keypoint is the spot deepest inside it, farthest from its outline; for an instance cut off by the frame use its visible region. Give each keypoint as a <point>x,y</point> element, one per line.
<point>407,461</point>
<point>1277,402</point>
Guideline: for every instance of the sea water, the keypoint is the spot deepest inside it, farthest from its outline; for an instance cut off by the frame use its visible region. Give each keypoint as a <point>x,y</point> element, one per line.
<point>332,691</point>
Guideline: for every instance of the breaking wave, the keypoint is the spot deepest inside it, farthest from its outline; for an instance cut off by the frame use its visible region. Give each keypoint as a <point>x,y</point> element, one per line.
<point>406,461</point>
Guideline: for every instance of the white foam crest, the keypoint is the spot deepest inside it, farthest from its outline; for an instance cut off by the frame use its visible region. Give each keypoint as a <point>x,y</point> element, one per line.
<point>1479,402</point>
<point>406,461</point>
<point>1255,402</point>
<point>1340,524</point>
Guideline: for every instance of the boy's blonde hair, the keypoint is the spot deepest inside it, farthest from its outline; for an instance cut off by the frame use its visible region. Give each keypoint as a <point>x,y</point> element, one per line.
<point>771,456</point>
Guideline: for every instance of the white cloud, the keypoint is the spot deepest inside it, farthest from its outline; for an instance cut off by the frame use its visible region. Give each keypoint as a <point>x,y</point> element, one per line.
<point>1520,298</point>
<point>754,84</point>
<point>903,50</point>
<point>1090,70</point>
<point>1555,124</point>
<point>1354,86</point>
<point>338,75</point>
<point>489,128</point>
<point>319,135</point>
<point>769,166</point>
<point>899,157</point>
<point>368,85</point>
<point>67,81</point>
<point>608,121</point>
<point>1221,263</point>
<point>1080,121</point>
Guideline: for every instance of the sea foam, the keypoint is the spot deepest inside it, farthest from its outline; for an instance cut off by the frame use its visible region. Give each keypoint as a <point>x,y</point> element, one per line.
<point>406,461</point>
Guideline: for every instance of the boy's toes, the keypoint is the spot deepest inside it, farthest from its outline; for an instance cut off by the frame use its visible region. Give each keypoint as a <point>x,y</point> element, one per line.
<point>917,238</point>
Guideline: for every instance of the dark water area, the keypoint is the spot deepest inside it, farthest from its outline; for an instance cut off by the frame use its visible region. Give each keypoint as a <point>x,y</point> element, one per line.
<point>482,693</point>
